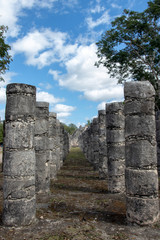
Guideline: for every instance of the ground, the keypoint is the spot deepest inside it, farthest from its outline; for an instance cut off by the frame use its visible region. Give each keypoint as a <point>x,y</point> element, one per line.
<point>79,207</point>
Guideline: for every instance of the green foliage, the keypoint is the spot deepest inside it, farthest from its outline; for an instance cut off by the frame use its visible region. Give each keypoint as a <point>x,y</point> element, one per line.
<point>71,128</point>
<point>131,48</point>
<point>88,123</point>
<point>1,133</point>
<point>5,58</point>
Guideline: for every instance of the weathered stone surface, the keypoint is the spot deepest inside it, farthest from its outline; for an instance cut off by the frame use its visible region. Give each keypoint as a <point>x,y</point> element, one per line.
<point>140,125</point>
<point>158,139</point>
<point>20,101</point>
<point>52,135</point>
<point>116,167</point>
<point>19,156</point>
<point>141,154</point>
<point>115,120</point>
<point>134,90</point>
<point>141,159</point>
<point>142,182</point>
<point>41,147</point>
<point>19,135</point>
<point>41,142</point>
<point>116,151</point>
<point>140,106</point>
<point>20,212</point>
<point>41,126</point>
<point>115,135</point>
<point>19,163</point>
<point>142,211</point>
<point>19,188</point>
<point>114,107</point>
<point>115,183</point>
<point>116,141</point>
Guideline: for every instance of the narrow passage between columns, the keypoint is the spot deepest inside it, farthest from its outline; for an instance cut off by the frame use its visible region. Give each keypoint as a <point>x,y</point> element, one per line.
<point>79,207</point>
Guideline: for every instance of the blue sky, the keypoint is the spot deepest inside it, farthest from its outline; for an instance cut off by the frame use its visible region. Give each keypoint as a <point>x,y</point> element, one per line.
<point>53,48</point>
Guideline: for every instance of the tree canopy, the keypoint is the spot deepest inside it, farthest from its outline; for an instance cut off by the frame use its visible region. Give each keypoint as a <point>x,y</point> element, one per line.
<point>71,128</point>
<point>5,58</point>
<point>131,48</point>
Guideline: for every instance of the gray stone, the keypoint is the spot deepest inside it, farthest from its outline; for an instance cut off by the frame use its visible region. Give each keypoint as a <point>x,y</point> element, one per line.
<point>141,154</point>
<point>140,106</point>
<point>115,141</point>
<point>19,156</point>
<point>134,90</point>
<point>141,182</point>
<point>41,147</point>
<point>140,125</point>
<point>19,134</point>
<point>142,211</point>
<point>19,163</point>
<point>115,136</point>
<point>141,159</point>
<point>20,212</point>
<point>20,101</point>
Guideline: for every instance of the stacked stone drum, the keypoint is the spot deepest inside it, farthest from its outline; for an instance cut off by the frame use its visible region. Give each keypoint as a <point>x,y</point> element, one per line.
<point>42,147</point>
<point>115,146</point>
<point>141,154</point>
<point>19,204</point>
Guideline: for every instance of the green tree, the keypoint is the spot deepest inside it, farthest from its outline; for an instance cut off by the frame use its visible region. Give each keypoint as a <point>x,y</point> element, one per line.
<point>71,128</point>
<point>88,123</point>
<point>5,58</point>
<point>131,48</point>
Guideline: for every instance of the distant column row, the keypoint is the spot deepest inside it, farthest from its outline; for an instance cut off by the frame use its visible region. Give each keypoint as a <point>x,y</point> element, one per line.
<point>131,146</point>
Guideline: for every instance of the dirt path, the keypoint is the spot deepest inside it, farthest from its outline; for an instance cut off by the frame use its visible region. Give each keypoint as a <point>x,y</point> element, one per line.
<point>79,207</point>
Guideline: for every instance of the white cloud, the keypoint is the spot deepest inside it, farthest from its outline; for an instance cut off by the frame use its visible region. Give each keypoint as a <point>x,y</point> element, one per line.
<point>116,6</point>
<point>63,111</point>
<point>97,9</point>
<point>7,79</point>
<point>115,92</point>
<point>64,108</point>
<point>104,19</point>
<point>2,114</point>
<point>47,97</point>
<point>2,95</point>
<point>101,106</point>
<point>54,73</point>
<point>11,10</point>
<point>83,76</point>
<point>50,47</point>
<point>45,85</point>
<point>69,3</point>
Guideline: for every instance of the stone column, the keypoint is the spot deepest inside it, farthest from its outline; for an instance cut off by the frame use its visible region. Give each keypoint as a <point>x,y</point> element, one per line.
<point>41,147</point>
<point>103,162</point>
<point>58,146</point>
<point>61,144</point>
<point>19,203</point>
<point>141,154</point>
<point>115,146</point>
<point>95,144</point>
<point>66,145</point>
<point>158,140</point>
<point>52,144</point>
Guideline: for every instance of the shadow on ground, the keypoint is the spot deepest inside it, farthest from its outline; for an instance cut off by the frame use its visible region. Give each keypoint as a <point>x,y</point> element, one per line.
<point>79,207</point>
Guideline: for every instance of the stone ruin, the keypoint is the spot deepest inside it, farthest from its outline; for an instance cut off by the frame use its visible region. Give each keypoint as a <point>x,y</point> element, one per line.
<point>74,138</point>
<point>131,151</point>
<point>121,144</point>
<point>35,145</point>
